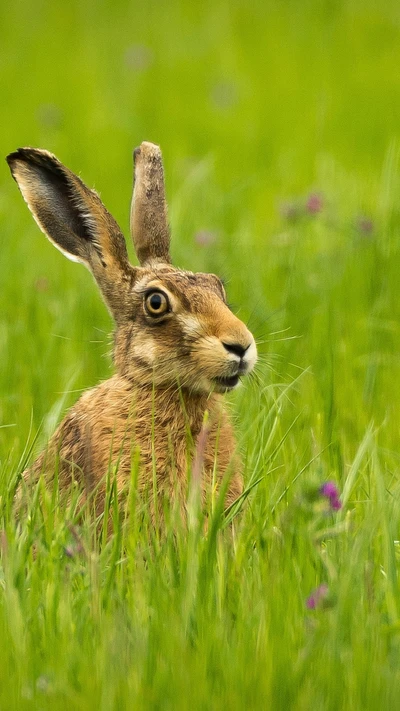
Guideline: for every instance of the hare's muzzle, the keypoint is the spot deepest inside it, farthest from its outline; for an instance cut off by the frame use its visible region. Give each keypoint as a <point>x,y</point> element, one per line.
<point>241,361</point>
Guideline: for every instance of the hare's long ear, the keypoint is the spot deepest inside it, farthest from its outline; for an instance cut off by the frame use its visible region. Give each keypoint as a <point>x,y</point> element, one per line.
<point>75,220</point>
<point>149,221</point>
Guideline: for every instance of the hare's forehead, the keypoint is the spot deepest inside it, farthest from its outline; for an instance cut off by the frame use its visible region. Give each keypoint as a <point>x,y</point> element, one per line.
<point>191,289</point>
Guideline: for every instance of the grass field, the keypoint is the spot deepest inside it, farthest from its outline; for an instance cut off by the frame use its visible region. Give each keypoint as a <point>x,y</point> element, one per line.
<point>279,125</point>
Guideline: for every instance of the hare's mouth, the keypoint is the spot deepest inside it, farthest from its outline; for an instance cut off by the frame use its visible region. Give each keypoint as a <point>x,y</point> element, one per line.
<point>227,383</point>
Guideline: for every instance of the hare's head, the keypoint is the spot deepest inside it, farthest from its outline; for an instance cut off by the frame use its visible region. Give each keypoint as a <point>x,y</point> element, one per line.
<point>171,325</point>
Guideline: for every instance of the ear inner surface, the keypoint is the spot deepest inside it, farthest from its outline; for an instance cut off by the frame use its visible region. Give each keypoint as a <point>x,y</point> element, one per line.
<point>149,220</point>
<point>74,219</point>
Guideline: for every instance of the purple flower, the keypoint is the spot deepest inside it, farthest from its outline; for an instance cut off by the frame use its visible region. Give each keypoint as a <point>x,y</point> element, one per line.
<point>314,203</point>
<point>317,596</point>
<point>365,226</point>
<point>290,211</point>
<point>330,490</point>
<point>205,237</point>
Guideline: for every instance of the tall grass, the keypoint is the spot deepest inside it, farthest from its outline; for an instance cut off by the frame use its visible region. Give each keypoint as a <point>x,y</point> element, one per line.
<point>279,128</point>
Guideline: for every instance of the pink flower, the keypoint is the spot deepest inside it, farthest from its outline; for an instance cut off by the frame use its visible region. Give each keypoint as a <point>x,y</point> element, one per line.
<point>205,237</point>
<point>330,490</point>
<point>365,225</point>
<point>317,596</point>
<point>314,203</point>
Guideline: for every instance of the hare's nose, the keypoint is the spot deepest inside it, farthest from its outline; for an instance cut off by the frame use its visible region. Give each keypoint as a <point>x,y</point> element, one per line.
<point>236,348</point>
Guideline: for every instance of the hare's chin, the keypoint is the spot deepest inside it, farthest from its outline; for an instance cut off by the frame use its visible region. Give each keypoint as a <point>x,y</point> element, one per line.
<point>223,385</point>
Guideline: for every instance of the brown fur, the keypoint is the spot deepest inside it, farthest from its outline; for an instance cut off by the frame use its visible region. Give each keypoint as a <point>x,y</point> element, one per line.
<point>172,367</point>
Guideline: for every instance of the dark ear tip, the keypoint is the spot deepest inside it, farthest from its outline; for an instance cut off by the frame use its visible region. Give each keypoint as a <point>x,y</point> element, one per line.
<point>22,153</point>
<point>35,156</point>
<point>12,157</point>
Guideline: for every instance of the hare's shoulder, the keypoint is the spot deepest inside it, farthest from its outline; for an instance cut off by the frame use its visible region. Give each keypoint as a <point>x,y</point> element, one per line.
<point>84,437</point>
<point>113,397</point>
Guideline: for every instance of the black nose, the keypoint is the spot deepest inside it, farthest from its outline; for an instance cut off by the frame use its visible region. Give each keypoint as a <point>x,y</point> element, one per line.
<point>235,348</point>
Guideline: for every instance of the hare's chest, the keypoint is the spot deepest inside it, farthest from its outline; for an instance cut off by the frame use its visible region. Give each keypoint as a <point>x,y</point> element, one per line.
<point>164,436</point>
<point>160,441</point>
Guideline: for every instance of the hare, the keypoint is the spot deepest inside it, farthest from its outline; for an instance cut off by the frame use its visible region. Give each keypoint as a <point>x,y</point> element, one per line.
<point>177,349</point>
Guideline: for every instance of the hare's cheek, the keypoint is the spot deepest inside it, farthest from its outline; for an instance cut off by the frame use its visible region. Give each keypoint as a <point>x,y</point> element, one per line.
<point>209,356</point>
<point>145,351</point>
<point>191,326</point>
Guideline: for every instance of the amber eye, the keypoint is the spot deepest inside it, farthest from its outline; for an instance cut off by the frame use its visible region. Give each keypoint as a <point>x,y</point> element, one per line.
<point>156,303</point>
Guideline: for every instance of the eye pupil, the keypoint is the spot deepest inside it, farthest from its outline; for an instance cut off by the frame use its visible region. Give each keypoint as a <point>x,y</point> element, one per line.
<point>156,302</point>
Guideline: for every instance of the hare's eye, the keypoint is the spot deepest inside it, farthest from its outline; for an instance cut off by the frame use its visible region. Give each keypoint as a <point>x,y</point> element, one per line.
<point>156,303</point>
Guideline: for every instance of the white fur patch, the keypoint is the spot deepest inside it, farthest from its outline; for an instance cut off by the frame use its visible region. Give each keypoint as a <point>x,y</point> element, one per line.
<point>190,324</point>
<point>145,350</point>
<point>142,283</point>
<point>250,357</point>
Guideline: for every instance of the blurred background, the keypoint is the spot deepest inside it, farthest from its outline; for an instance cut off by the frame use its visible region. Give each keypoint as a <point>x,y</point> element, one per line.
<point>279,125</point>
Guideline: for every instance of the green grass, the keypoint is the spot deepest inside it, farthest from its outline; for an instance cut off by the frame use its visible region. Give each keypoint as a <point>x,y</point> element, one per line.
<point>256,105</point>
